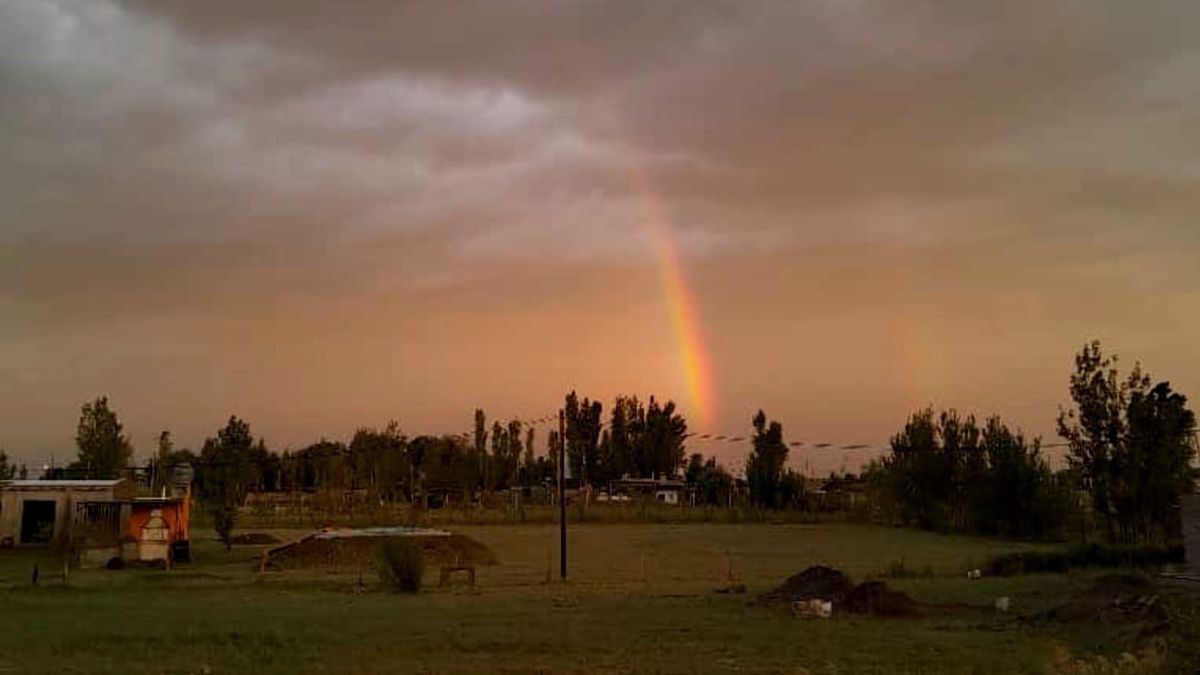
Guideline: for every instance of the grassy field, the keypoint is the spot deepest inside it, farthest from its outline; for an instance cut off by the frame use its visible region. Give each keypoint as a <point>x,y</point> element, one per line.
<point>639,598</point>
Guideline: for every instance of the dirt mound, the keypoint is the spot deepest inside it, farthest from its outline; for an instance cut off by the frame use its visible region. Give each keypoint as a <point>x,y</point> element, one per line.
<point>875,598</point>
<point>253,539</point>
<point>355,552</point>
<point>872,598</point>
<point>815,583</point>
<point>458,548</point>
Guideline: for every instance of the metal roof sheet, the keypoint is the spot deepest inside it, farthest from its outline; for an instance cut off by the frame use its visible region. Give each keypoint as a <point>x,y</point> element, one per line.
<point>34,484</point>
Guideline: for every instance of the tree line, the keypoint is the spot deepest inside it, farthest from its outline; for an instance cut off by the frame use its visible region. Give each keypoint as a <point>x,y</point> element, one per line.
<point>9,470</point>
<point>948,472</point>
<point>1131,446</point>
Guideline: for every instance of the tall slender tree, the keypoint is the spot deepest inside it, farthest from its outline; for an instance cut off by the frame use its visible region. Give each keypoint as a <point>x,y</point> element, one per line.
<point>582,435</point>
<point>529,461</point>
<point>104,449</point>
<point>498,459</point>
<point>512,458</point>
<point>662,439</point>
<point>626,413</point>
<point>481,438</point>
<point>228,471</point>
<point>160,464</point>
<point>764,467</point>
<point>8,470</point>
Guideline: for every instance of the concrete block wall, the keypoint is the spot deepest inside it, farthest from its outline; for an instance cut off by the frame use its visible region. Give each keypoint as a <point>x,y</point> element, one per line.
<point>1190,511</point>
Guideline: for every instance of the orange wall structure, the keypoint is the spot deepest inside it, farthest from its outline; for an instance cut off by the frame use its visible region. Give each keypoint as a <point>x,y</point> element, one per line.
<point>175,511</point>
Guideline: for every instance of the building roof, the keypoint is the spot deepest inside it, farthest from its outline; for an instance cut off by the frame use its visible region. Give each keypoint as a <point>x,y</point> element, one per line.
<point>156,500</point>
<point>59,484</point>
<point>667,483</point>
<point>350,533</point>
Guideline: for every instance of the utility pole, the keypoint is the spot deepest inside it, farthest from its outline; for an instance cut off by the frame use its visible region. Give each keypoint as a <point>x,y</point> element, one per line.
<point>562,497</point>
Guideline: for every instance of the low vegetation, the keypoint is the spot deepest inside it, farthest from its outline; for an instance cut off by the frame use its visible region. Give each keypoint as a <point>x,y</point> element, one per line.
<point>401,565</point>
<point>1083,557</point>
<point>638,597</point>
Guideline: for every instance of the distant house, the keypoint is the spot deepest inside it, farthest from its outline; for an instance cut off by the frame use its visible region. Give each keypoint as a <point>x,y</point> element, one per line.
<point>665,490</point>
<point>97,519</point>
<point>45,511</point>
<point>437,494</point>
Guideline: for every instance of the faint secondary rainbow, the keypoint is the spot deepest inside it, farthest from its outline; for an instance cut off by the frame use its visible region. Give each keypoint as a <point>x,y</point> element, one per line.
<point>693,357</point>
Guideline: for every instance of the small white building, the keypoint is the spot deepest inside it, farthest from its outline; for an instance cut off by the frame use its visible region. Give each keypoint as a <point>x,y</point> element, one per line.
<point>663,490</point>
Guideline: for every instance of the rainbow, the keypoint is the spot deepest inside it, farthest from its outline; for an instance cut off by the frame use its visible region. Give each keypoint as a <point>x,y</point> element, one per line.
<point>681,306</point>
<point>693,357</point>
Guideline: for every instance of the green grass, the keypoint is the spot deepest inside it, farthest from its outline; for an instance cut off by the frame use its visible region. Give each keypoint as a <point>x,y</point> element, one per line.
<point>263,516</point>
<point>639,599</point>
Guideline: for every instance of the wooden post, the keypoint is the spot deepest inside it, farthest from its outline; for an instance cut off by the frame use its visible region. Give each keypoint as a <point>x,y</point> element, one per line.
<point>562,501</point>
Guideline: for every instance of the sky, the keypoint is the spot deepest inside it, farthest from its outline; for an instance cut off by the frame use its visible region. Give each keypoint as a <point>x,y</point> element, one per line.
<point>320,216</point>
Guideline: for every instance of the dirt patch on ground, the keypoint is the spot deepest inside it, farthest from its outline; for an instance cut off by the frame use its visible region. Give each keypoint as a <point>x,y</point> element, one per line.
<point>1130,606</point>
<point>361,552</point>
<point>253,539</point>
<point>872,598</point>
<point>1114,598</point>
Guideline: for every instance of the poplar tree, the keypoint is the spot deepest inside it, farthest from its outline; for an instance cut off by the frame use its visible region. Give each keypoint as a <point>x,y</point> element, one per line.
<point>764,467</point>
<point>104,449</point>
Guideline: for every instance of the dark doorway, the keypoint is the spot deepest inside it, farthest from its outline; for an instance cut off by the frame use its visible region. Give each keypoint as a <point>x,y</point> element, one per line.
<point>37,521</point>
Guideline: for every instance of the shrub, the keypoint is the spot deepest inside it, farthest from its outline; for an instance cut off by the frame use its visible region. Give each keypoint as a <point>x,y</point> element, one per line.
<point>224,518</point>
<point>1126,556</point>
<point>401,565</point>
<point>1089,555</point>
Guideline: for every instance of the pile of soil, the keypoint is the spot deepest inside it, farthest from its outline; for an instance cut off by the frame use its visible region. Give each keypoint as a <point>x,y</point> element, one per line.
<point>253,539</point>
<point>361,552</point>
<point>871,598</point>
<point>875,598</point>
<point>815,583</point>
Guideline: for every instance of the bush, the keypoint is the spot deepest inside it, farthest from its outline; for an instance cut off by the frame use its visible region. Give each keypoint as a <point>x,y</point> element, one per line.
<point>401,565</point>
<point>1011,564</point>
<point>1089,555</point>
<point>1126,556</point>
<point>224,518</point>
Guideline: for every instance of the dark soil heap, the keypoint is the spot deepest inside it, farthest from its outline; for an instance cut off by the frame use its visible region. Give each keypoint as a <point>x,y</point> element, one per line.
<point>815,583</point>
<point>872,598</point>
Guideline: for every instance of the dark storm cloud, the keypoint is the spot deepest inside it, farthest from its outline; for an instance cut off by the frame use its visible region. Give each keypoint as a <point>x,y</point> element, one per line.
<point>218,159</point>
<point>391,116</point>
